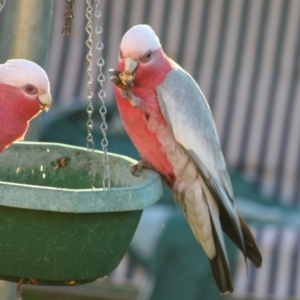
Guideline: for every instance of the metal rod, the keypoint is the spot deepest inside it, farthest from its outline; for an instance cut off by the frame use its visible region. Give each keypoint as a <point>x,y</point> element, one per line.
<point>25,33</point>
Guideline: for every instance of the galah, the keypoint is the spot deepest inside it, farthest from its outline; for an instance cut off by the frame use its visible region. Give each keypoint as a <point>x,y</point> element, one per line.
<point>169,121</point>
<point>24,93</point>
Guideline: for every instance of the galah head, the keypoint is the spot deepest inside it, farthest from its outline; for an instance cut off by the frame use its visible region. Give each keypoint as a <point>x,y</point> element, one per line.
<point>140,52</point>
<point>24,93</point>
<point>29,79</point>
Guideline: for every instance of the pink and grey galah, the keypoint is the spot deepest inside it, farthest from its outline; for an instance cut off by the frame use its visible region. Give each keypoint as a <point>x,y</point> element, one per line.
<point>169,121</point>
<point>24,93</point>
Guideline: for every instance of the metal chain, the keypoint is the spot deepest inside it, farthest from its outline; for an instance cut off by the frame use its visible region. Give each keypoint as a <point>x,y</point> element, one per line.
<point>69,15</point>
<point>2,4</point>
<point>102,95</point>
<point>89,58</point>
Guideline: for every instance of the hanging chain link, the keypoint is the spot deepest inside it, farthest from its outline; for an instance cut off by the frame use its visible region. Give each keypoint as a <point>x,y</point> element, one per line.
<point>2,4</point>
<point>89,58</point>
<point>69,15</point>
<point>101,95</point>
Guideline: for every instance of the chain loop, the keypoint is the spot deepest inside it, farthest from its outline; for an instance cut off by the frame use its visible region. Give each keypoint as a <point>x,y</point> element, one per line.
<point>102,95</point>
<point>89,58</point>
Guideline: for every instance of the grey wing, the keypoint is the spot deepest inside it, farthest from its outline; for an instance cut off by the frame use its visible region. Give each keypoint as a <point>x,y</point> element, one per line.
<point>188,115</point>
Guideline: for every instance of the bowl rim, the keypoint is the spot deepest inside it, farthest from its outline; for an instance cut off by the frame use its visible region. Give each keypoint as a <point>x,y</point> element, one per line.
<point>136,197</point>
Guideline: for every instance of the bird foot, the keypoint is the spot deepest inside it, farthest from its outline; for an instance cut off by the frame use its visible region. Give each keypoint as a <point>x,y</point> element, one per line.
<point>123,80</point>
<point>136,169</point>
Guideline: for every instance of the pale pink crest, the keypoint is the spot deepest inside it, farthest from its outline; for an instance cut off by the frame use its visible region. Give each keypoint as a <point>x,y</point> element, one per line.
<point>138,40</point>
<point>19,72</point>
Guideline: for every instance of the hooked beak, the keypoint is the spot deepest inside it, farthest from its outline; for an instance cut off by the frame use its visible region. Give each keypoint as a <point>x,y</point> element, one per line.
<point>130,65</point>
<point>45,101</point>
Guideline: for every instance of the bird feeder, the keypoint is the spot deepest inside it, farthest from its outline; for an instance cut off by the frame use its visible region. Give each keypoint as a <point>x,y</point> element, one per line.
<point>68,214</point>
<point>57,224</point>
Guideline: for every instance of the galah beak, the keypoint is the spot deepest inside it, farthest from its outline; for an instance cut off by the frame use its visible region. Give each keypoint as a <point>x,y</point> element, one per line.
<point>45,101</point>
<point>130,65</point>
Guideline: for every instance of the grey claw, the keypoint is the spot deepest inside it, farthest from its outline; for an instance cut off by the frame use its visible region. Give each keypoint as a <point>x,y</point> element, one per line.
<point>116,80</point>
<point>114,72</point>
<point>135,171</point>
<point>129,82</point>
<point>125,94</point>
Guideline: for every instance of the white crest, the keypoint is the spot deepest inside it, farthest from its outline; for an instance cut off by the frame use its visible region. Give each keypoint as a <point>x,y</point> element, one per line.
<point>138,40</point>
<point>19,72</point>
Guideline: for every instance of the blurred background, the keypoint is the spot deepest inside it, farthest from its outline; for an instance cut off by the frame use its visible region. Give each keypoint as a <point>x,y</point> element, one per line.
<point>245,57</point>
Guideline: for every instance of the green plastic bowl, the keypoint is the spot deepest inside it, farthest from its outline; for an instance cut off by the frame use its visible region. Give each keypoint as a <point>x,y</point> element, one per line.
<point>57,225</point>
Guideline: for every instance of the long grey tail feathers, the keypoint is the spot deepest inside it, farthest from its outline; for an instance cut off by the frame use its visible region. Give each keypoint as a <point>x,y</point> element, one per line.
<point>252,251</point>
<point>219,263</point>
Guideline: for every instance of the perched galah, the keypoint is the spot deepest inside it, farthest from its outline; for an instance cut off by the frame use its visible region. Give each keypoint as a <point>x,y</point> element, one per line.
<point>169,121</point>
<point>24,93</point>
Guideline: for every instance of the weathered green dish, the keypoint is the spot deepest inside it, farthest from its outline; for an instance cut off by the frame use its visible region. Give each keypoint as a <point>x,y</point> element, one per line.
<point>58,226</point>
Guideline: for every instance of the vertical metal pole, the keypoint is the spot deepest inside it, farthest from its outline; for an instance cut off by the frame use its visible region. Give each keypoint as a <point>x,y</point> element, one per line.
<point>25,33</point>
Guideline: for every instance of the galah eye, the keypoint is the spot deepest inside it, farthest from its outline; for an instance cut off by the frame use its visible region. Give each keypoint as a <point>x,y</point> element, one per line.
<point>30,89</point>
<point>121,54</point>
<point>145,58</point>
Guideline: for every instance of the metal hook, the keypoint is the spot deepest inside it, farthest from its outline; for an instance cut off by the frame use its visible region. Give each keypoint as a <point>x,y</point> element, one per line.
<point>68,15</point>
<point>2,4</point>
